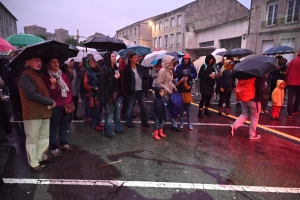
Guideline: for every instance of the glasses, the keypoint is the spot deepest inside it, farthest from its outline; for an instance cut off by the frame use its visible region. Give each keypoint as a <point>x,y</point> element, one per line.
<point>37,61</point>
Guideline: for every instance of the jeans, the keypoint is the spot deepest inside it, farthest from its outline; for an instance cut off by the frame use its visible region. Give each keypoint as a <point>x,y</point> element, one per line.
<point>293,99</point>
<point>225,97</point>
<point>114,114</point>
<point>264,103</point>
<point>187,108</point>
<point>252,109</point>
<point>158,124</point>
<point>96,115</point>
<point>4,150</point>
<point>58,122</point>
<point>87,109</point>
<point>140,97</point>
<point>37,140</point>
<point>205,100</point>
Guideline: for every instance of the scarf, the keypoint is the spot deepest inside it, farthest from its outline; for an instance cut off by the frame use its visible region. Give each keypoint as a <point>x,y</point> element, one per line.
<point>63,86</point>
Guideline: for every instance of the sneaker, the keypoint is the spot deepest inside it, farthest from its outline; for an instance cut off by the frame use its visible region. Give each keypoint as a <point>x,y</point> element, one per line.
<point>98,128</point>
<point>266,111</point>
<point>190,127</point>
<point>231,130</point>
<point>270,104</point>
<point>254,137</point>
<point>88,119</point>
<point>66,147</point>
<point>290,117</point>
<point>38,168</point>
<point>262,112</point>
<point>56,152</point>
<point>181,126</point>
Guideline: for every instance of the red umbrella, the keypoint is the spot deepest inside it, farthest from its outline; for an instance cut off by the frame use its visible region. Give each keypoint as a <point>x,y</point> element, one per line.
<point>5,46</point>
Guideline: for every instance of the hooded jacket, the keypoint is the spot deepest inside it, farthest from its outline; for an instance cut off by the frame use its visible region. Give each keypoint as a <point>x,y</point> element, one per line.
<point>165,75</point>
<point>90,79</point>
<point>293,72</point>
<point>225,80</point>
<point>278,94</point>
<point>207,83</point>
<point>160,105</point>
<point>189,67</point>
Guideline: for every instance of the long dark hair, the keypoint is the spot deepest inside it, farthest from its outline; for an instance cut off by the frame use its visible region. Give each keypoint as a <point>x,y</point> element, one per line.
<point>107,59</point>
<point>130,57</point>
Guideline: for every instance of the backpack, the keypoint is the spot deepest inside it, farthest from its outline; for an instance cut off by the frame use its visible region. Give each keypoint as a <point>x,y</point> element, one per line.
<point>245,90</point>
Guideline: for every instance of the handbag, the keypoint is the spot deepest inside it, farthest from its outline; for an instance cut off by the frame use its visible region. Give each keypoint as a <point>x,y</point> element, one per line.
<point>69,107</point>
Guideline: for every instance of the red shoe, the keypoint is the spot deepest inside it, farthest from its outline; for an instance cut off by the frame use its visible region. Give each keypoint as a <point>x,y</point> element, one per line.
<point>102,125</point>
<point>87,119</point>
<point>160,133</point>
<point>98,128</point>
<point>155,135</point>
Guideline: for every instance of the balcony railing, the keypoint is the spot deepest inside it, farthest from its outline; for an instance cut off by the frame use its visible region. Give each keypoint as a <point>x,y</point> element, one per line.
<point>280,21</point>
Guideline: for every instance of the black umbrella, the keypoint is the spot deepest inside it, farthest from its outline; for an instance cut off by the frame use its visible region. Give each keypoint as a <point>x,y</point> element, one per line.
<point>256,66</point>
<point>238,52</point>
<point>44,50</point>
<point>105,43</point>
<point>279,50</point>
<point>74,49</point>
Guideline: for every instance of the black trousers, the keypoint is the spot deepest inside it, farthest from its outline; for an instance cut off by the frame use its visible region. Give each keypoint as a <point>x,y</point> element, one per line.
<point>293,99</point>
<point>225,98</point>
<point>4,151</point>
<point>75,101</point>
<point>4,119</point>
<point>205,100</point>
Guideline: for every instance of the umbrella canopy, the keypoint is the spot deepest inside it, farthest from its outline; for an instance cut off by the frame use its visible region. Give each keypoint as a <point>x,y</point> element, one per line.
<point>219,52</point>
<point>254,66</point>
<point>279,50</point>
<point>199,62</point>
<point>44,50</point>
<point>105,43</point>
<point>22,40</point>
<point>238,52</point>
<point>5,46</point>
<point>157,60</point>
<point>139,50</point>
<point>150,57</point>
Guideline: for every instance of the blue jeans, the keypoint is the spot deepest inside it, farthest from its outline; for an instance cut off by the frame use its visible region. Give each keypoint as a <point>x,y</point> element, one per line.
<point>158,124</point>
<point>113,114</point>
<point>252,109</point>
<point>58,122</point>
<point>140,97</point>
<point>87,109</point>
<point>187,108</point>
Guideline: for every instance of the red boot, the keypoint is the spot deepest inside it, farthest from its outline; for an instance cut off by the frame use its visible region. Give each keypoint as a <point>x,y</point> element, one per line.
<point>155,135</point>
<point>160,133</point>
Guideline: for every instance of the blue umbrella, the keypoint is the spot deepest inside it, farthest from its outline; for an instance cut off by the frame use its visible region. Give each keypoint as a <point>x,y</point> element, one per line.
<point>159,57</point>
<point>139,50</point>
<point>279,50</point>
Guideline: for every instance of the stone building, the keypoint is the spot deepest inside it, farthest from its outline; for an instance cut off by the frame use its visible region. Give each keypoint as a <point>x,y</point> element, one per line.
<point>8,22</point>
<point>95,35</point>
<point>138,33</point>
<point>201,26</point>
<point>273,23</point>
<point>61,35</point>
<point>35,30</point>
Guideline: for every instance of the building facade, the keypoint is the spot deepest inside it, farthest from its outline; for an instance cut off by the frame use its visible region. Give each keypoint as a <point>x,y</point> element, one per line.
<point>35,30</point>
<point>201,26</point>
<point>274,23</point>
<point>8,22</point>
<point>61,35</point>
<point>95,35</point>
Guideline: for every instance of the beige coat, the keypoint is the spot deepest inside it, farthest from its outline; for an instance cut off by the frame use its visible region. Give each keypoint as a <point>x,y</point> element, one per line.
<point>165,75</point>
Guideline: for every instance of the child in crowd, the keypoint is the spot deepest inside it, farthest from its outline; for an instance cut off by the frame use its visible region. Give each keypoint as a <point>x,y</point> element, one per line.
<point>184,88</point>
<point>277,99</point>
<point>160,105</point>
<point>266,95</point>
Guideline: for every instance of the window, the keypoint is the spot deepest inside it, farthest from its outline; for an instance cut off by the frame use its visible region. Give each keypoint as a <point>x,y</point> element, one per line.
<point>292,12</point>
<point>134,31</point>
<point>272,13</point>
<point>172,21</point>
<point>160,25</point>
<point>207,44</point>
<point>178,38</point>
<point>155,43</point>
<point>291,43</point>
<point>126,33</point>
<point>166,23</point>
<point>166,40</point>
<point>156,27</point>
<point>231,43</point>
<point>172,39</point>
<point>179,20</point>
<point>160,42</point>
<point>130,32</point>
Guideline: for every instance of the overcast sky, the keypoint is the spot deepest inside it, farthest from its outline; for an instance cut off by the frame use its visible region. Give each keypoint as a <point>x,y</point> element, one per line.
<point>89,16</point>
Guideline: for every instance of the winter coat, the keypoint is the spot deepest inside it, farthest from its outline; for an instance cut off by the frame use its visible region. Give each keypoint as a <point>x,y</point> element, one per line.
<point>91,80</point>
<point>278,94</point>
<point>129,79</point>
<point>108,84</point>
<point>189,67</point>
<point>160,106</point>
<point>293,72</point>
<point>207,83</point>
<point>225,80</point>
<point>184,88</point>
<point>165,75</point>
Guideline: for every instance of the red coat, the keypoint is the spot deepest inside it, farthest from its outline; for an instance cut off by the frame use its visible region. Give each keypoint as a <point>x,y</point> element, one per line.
<point>293,72</point>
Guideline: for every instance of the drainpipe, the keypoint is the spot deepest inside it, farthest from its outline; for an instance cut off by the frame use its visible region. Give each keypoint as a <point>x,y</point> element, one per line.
<point>249,18</point>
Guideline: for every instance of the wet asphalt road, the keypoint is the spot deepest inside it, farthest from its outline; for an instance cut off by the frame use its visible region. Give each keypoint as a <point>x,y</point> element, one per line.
<point>205,155</point>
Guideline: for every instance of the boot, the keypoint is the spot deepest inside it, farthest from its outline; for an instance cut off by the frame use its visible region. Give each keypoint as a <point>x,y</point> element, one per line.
<point>227,111</point>
<point>220,111</point>
<point>190,123</point>
<point>200,114</point>
<point>155,135</point>
<point>181,122</point>
<point>206,112</point>
<point>160,133</point>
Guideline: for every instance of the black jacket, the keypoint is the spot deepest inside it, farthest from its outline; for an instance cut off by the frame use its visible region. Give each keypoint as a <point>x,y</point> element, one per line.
<point>160,105</point>
<point>108,84</point>
<point>226,81</point>
<point>129,79</point>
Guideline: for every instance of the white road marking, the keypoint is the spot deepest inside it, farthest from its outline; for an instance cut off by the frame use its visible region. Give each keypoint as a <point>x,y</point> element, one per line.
<point>148,184</point>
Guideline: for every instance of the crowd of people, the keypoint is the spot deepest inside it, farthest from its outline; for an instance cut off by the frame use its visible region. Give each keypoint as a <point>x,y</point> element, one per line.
<point>109,88</point>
